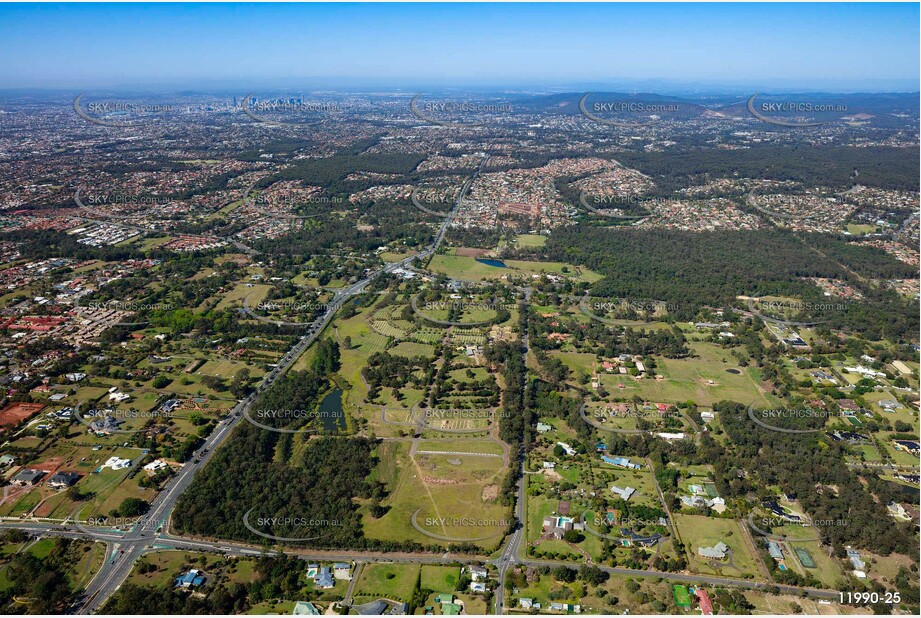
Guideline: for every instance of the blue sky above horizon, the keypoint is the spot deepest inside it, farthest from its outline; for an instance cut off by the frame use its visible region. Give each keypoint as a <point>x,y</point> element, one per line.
<point>832,47</point>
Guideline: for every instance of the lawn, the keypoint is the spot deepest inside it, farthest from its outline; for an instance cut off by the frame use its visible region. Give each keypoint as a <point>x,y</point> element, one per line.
<point>468,269</point>
<point>460,445</point>
<point>410,349</point>
<point>687,380</point>
<point>168,565</point>
<point>698,531</point>
<point>531,240</point>
<point>390,581</point>
<point>826,570</point>
<point>82,572</point>
<point>221,369</point>
<point>440,578</point>
<point>641,480</point>
<point>446,492</point>
<point>109,488</point>
<point>275,606</point>
<point>255,292</point>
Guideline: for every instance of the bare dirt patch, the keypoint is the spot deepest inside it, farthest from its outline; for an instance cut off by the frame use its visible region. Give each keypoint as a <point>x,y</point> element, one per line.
<point>16,412</point>
<point>433,481</point>
<point>471,252</point>
<point>552,475</point>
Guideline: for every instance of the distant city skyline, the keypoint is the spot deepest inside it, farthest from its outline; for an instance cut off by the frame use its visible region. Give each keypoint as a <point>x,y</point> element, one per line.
<point>869,47</point>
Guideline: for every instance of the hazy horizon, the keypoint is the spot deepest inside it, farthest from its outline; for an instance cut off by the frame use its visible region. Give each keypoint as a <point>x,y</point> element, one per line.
<point>668,48</point>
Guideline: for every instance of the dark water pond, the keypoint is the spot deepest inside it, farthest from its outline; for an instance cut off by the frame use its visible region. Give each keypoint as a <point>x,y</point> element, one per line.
<point>491,262</point>
<point>331,415</point>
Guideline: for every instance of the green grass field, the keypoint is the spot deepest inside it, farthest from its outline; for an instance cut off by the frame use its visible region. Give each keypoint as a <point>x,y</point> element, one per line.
<point>439,578</point>
<point>468,269</point>
<point>411,349</point>
<point>390,581</point>
<point>687,380</point>
<point>641,480</point>
<point>699,531</point>
<point>531,240</point>
<point>255,294</point>
<point>461,445</point>
<point>826,570</point>
<point>448,493</point>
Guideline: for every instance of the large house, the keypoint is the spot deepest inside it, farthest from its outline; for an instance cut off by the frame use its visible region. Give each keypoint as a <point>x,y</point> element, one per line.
<point>566,448</point>
<point>305,608</point>
<point>703,599</point>
<point>774,550</point>
<point>324,579</point>
<point>477,573</point>
<point>192,579</point>
<point>63,480</point>
<point>910,446</point>
<point>776,509</point>
<point>717,552</point>
<point>623,462</point>
<point>557,525</point>
<point>27,476</point>
<point>105,426</point>
<point>116,463</point>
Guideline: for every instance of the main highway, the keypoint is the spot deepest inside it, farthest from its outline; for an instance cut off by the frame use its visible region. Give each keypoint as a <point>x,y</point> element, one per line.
<point>125,551</point>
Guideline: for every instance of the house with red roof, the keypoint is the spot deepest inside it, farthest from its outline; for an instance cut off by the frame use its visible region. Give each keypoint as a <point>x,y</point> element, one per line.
<point>703,599</point>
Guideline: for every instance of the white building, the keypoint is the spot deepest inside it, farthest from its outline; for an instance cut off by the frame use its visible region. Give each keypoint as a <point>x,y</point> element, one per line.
<point>117,463</point>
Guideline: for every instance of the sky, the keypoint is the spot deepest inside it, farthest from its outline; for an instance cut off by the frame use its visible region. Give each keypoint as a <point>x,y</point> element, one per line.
<point>831,47</point>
